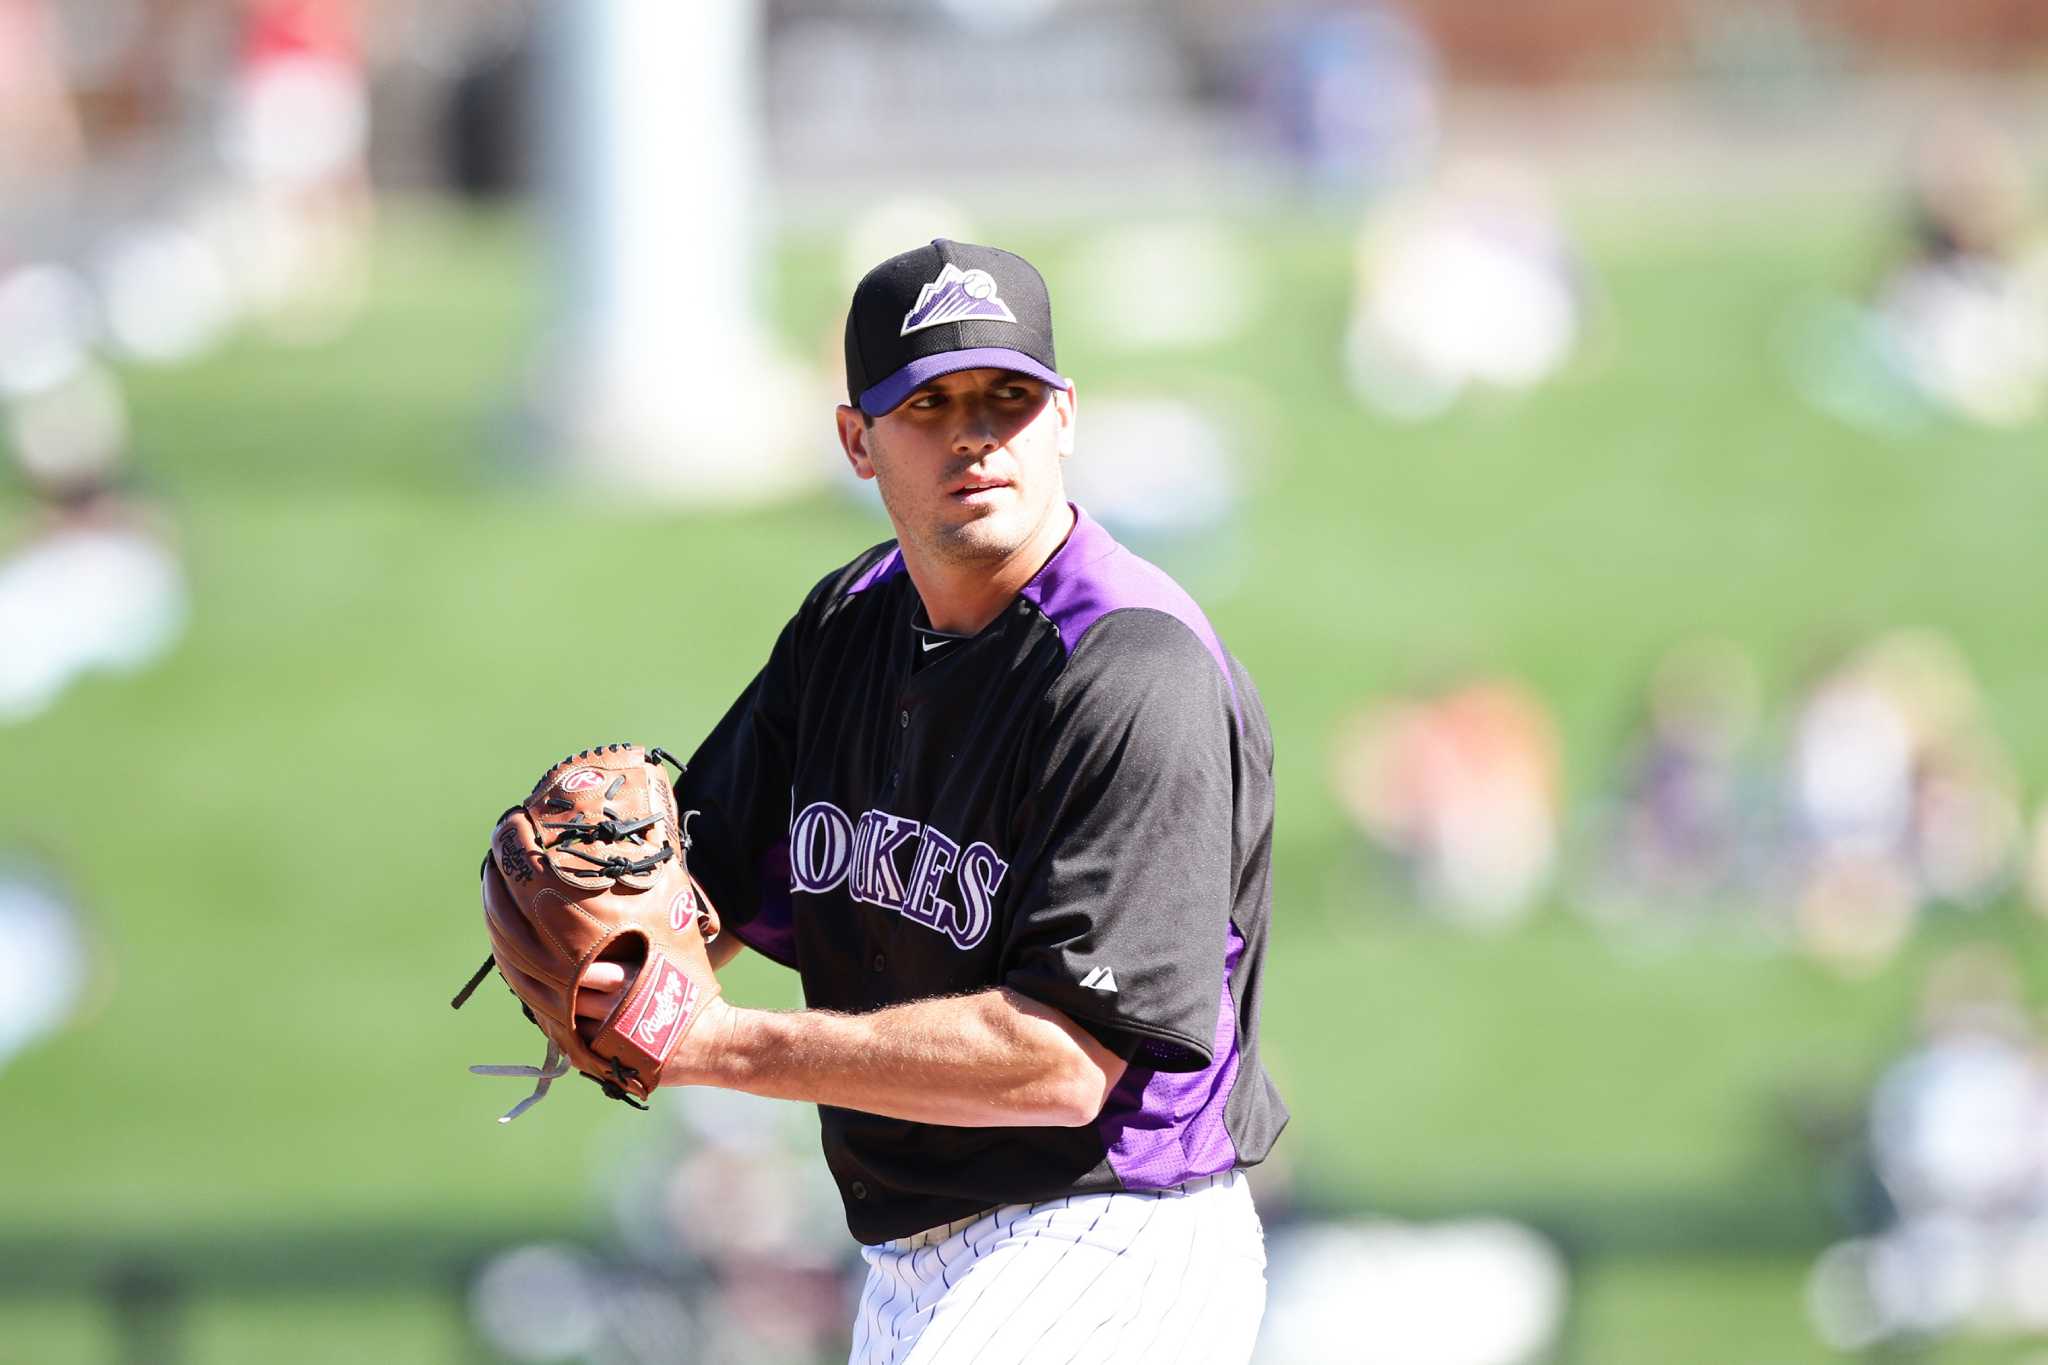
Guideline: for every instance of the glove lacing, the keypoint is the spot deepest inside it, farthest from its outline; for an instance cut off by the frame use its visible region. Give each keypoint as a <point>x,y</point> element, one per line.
<point>552,1068</point>
<point>610,830</point>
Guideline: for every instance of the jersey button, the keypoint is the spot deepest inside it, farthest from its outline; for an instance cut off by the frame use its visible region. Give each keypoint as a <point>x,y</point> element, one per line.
<point>858,1189</point>
<point>880,962</point>
<point>903,719</point>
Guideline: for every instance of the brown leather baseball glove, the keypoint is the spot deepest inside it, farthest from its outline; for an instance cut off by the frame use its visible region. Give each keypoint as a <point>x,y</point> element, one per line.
<point>590,868</point>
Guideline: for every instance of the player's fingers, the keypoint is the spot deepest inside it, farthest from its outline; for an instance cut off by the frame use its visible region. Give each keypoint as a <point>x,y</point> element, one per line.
<point>598,990</point>
<point>603,976</point>
<point>595,1004</point>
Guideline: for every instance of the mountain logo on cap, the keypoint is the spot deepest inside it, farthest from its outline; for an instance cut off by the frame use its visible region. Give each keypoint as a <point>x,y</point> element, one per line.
<point>954,295</point>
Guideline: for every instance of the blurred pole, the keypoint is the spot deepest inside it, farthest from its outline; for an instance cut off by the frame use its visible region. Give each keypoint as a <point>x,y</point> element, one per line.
<point>657,375</point>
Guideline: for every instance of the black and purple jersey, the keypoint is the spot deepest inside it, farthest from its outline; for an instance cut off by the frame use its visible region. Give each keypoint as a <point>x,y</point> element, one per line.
<point>1076,803</point>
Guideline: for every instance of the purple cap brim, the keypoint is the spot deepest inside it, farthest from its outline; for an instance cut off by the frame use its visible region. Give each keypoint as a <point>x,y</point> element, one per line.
<point>884,396</point>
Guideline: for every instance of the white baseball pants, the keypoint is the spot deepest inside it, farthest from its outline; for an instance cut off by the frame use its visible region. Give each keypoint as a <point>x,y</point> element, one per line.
<point>1167,1275</point>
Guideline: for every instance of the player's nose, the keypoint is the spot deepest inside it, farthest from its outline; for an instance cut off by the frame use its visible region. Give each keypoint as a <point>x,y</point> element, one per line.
<point>976,434</point>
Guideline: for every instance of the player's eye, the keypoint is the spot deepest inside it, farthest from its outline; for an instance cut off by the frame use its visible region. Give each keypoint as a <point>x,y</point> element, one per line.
<point>928,400</point>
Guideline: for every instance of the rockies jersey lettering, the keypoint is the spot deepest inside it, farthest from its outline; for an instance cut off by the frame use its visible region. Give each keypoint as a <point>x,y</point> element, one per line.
<point>827,848</point>
<point>1078,795</point>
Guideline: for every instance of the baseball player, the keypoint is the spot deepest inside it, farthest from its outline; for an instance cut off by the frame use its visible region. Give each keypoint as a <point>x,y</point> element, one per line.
<point>1004,802</point>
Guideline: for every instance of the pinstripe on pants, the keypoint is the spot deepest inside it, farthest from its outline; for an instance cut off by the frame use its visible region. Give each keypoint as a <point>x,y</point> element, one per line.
<point>1173,1274</point>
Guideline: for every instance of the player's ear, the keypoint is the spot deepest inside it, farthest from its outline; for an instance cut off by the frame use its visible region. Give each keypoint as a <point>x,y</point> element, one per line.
<point>854,430</point>
<point>1063,402</point>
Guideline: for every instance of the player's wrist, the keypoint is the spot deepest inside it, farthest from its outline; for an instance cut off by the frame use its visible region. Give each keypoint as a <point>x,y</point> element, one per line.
<point>704,1054</point>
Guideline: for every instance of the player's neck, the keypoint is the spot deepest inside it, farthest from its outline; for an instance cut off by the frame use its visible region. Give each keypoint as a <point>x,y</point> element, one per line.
<point>962,597</point>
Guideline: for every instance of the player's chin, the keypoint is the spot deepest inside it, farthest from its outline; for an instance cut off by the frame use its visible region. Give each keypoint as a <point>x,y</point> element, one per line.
<point>985,533</point>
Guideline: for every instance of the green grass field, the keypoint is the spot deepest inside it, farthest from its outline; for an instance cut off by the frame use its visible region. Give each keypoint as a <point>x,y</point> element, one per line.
<point>269,1074</point>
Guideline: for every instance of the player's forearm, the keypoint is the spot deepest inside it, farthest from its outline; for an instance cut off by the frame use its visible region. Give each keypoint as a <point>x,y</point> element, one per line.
<point>995,1059</point>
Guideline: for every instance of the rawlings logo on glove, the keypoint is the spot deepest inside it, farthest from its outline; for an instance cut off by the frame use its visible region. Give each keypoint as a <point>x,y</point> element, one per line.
<point>673,999</point>
<point>590,868</point>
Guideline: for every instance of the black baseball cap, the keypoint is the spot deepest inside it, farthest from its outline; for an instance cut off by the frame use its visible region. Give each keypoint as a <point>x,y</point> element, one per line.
<point>941,308</point>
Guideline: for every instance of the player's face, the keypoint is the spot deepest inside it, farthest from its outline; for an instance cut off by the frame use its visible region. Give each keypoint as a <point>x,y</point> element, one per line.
<point>969,465</point>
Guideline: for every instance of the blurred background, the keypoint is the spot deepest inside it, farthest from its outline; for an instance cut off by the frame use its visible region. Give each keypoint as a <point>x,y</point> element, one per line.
<point>1611,432</point>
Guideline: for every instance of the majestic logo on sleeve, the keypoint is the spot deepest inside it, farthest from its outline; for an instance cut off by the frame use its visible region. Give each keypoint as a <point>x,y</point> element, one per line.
<point>829,848</point>
<point>954,295</point>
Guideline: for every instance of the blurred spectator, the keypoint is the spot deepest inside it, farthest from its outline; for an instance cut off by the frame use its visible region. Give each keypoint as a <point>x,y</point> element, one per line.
<point>1954,1124</point>
<point>65,414</point>
<point>1462,789</point>
<point>87,263</point>
<point>1682,837</point>
<point>178,235</point>
<point>44,963</point>
<point>1348,91</point>
<point>1855,909</point>
<point>1959,325</point>
<point>39,132</point>
<point>1966,313</point>
<point>95,584</point>
<point>166,290</point>
<point>1484,1292</point>
<point>1959,1142</point>
<point>1472,283</point>
<point>1900,796</point>
<point>98,587</point>
<point>295,139</point>
<point>62,411</point>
